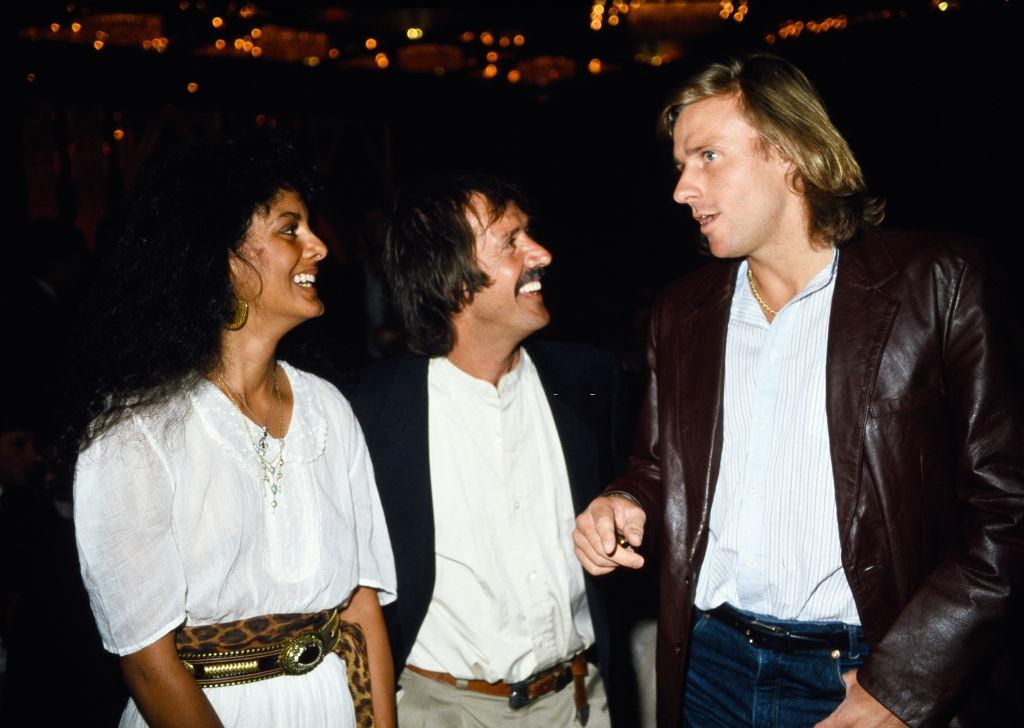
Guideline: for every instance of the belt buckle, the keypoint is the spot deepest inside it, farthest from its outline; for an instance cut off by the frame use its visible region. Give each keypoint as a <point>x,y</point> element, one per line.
<point>767,628</point>
<point>302,654</point>
<point>519,695</point>
<point>759,632</point>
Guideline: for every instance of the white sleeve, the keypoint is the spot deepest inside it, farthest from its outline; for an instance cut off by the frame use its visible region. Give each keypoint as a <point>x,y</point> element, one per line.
<point>129,557</point>
<point>376,561</point>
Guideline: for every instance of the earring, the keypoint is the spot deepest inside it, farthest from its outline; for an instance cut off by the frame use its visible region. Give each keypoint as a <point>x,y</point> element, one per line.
<point>239,316</point>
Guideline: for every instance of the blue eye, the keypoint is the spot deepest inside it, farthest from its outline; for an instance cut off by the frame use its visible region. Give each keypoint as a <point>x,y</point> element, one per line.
<point>710,155</point>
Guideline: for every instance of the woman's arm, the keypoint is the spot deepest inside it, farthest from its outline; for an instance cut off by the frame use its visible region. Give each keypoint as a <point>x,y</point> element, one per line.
<point>166,695</point>
<point>364,610</point>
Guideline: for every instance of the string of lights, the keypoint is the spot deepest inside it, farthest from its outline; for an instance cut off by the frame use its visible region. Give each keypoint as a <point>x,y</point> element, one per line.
<point>247,31</point>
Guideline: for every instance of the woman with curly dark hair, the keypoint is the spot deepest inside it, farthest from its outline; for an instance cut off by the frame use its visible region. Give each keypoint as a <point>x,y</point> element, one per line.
<point>227,519</point>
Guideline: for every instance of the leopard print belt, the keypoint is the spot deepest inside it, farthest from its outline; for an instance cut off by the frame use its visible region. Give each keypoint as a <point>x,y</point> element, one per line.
<point>258,648</point>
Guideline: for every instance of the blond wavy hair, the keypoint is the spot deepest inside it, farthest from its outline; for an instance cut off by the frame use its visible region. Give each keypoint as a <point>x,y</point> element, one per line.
<point>782,104</point>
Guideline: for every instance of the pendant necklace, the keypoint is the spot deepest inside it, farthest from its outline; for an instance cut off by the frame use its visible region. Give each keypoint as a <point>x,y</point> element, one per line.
<point>271,470</point>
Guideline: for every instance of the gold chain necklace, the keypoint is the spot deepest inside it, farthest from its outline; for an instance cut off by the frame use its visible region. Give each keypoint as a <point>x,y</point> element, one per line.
<point>271,471</point>
<point>753,289</point>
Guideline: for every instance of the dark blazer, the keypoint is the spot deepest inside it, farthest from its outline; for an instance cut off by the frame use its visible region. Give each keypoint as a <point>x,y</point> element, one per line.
<point>926,441</point>
<point>582,386</point>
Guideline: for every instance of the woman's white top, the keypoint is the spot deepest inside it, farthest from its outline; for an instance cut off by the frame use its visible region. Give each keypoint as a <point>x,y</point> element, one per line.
<point>175,526</point>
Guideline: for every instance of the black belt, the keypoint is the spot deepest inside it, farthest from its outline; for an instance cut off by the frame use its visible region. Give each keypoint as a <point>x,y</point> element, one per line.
<point>771,637</point>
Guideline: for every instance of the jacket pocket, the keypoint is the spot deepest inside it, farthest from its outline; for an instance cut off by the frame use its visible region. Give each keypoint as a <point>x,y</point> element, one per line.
<point>889,406</point>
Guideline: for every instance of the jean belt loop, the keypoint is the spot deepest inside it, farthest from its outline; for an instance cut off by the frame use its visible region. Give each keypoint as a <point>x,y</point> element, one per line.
<point>855,639</point>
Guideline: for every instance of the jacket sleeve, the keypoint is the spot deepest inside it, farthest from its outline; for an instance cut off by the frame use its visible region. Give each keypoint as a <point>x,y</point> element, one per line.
<point>956,622</point>
<point>642,479</point>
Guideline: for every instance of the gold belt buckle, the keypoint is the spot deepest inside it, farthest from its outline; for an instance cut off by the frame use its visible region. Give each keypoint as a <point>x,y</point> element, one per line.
<point>305,651</point>
<point>302,654</point>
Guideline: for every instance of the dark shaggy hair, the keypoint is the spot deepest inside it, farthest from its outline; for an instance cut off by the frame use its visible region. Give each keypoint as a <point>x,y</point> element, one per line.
<point>430,253</point>
<point>155,316</point>
<point>782,104</point>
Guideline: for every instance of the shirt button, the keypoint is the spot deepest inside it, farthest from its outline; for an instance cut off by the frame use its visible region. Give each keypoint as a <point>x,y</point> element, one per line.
<point>532,576</point>
<point>515,505</point>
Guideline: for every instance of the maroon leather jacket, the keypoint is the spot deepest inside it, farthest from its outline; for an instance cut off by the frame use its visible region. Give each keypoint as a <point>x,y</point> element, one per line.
<point>927,447</point>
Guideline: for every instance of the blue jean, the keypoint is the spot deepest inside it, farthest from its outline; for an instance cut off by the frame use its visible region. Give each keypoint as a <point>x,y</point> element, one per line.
<point>732,683</point>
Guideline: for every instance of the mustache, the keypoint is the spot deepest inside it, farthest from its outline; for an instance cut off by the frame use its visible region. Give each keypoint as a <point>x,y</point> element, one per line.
<point>534,274</point>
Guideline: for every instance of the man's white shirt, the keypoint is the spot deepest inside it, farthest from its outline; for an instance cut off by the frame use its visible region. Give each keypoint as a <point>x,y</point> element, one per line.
<point>509,597</point>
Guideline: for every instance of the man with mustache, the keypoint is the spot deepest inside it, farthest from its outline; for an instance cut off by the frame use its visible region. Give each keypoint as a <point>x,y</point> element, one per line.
<point>830,456</point>
<point>484,449</point>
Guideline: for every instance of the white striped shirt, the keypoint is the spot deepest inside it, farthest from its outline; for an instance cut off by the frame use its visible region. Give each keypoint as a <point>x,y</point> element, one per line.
<point>774,544</point>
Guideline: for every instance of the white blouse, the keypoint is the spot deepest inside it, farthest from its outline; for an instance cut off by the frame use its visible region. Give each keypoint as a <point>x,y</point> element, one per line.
<point>174,524</point>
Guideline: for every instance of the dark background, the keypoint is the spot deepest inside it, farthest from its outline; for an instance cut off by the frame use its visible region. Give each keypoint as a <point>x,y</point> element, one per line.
<point>921,89</point>
<point>922,94</point>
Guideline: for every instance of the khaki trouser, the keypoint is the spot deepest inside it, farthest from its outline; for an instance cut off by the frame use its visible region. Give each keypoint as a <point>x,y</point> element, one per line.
<point>426,703</point>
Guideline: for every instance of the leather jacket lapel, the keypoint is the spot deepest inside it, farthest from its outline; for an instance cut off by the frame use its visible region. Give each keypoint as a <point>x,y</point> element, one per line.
<point>861,319</point>
<point>697,356</point>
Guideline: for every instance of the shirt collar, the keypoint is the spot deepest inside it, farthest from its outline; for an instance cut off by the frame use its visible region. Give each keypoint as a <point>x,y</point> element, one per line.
<point>749,309</point>
<point>458,380</point>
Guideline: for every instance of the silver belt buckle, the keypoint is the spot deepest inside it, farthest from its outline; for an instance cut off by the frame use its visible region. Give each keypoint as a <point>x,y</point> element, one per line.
<point>519,695</point>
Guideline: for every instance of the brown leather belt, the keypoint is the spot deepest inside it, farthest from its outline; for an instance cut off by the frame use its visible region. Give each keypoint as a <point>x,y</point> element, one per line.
<point>520,694</point>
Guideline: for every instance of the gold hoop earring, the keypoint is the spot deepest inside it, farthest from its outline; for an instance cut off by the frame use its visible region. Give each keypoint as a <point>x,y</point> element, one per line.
<point>239,316</point>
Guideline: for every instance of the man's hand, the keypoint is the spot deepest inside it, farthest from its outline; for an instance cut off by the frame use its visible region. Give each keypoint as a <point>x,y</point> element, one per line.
<point>595,540</point>
<point>859,709</point>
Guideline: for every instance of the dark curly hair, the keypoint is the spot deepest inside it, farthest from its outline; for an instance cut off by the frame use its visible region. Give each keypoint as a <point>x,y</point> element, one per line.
<point>430,253</point>
<point>154,319</point>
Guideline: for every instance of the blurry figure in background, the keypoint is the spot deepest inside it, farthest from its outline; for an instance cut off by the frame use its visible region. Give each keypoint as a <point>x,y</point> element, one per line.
<point>383,334</point>
<point>44,610</point>
<point>484,448</point>
<point>39,298</point>
<point>21,464</point>
<point>22,495</point>
<point>830,453</point>
<point>224,500</point>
